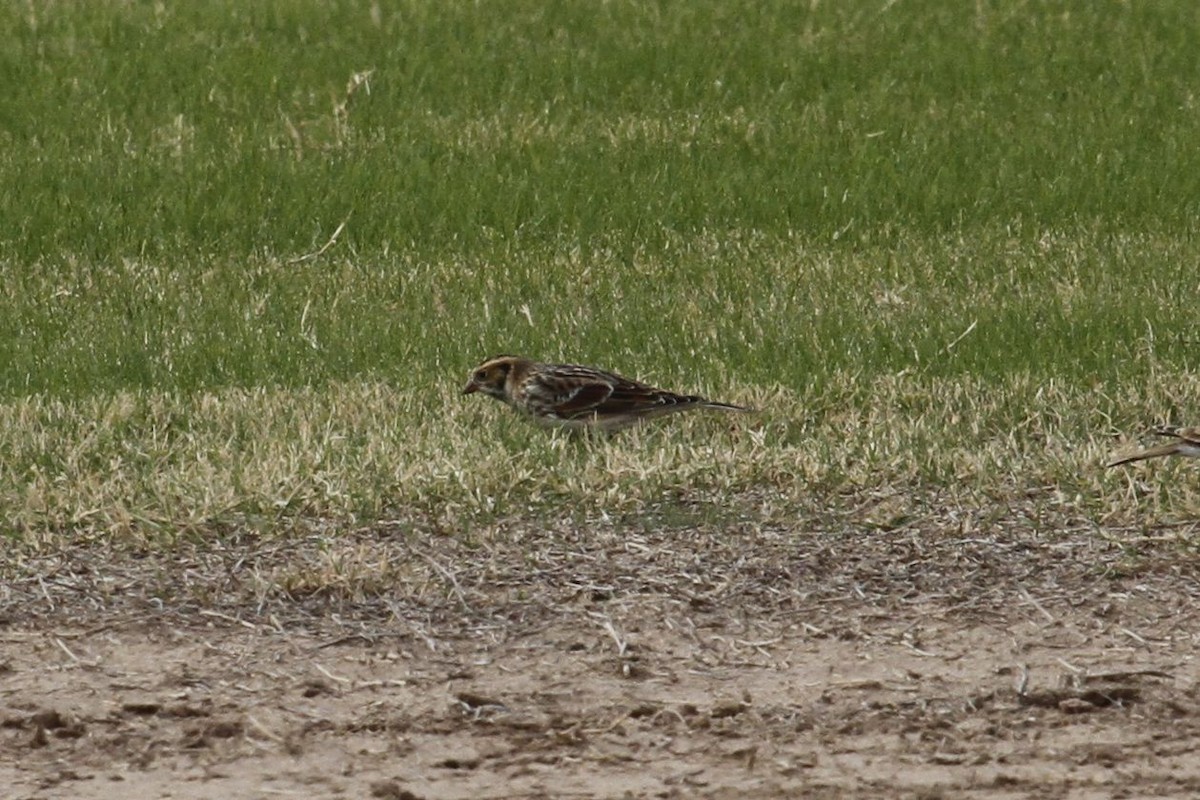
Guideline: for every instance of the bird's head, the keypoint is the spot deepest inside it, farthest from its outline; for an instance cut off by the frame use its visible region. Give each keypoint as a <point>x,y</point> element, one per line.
<point>491,376</point>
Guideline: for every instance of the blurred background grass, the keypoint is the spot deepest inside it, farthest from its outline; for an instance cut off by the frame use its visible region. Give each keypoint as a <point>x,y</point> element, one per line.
<point>770,189</point>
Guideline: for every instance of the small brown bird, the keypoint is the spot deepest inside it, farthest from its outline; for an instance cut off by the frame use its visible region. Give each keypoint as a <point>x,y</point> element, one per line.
<point>1187,443</point>
<point>575,396</point>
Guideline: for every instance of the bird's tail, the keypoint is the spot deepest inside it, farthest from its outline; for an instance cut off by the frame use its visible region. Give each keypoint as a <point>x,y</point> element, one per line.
<point>725,406</point>
<point>1153,452</point>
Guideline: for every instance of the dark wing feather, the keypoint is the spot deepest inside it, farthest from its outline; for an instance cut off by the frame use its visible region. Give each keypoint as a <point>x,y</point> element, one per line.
<point>631,397</point>
<point>584,399</point>
<point>571,392</point>
<point>565,394</point>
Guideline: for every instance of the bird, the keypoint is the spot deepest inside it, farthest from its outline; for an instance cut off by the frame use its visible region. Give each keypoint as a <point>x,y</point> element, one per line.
<point>1187,443</point>
<point>578,397</point>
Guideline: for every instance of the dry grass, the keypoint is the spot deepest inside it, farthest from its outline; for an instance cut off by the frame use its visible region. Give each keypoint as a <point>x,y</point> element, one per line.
<point>876,547</point>
<point>145,466</point>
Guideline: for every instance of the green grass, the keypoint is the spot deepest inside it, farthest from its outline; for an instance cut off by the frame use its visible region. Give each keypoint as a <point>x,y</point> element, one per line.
<point>224,129</point>
<point>730,310</point>
<point>790,203</point>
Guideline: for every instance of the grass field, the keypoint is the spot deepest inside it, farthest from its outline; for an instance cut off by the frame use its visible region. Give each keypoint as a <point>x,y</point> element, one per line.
<point>250,251</point>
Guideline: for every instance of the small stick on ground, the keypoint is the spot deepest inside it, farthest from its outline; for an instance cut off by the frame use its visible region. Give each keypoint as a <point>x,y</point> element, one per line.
<point>1031,600</point>
<point>448,575</point>
<point>607,624</point>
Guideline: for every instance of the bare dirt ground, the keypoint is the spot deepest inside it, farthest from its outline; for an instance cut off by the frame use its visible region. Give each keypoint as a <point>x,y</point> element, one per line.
<point>956,655</point>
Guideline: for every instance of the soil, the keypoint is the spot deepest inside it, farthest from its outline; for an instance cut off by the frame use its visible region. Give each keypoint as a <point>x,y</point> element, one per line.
<point>946,656</point>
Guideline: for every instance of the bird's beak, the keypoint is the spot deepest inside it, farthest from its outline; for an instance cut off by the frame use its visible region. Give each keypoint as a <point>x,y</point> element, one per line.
<point>470,388</point>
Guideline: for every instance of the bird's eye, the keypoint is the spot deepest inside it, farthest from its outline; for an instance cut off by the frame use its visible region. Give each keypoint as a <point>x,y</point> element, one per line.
<point>481,375</point>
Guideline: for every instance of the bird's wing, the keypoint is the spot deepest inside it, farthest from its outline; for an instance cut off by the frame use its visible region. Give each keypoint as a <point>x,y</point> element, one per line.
<point>586,398</point>
<point>632,397</point>
<point>565,394</point>
<point>574,392</point>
